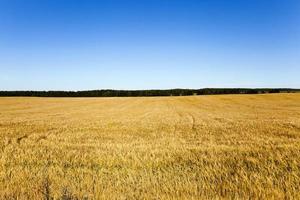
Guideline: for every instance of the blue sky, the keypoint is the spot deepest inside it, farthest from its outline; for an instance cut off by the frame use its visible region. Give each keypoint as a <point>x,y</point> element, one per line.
<point>144,44</point>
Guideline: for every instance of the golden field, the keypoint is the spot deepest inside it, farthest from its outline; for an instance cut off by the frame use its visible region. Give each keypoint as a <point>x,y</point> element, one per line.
<point>197,147</point>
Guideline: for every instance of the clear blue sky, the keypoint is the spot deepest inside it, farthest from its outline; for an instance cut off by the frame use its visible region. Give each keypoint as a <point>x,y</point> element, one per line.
<point>143,44</point>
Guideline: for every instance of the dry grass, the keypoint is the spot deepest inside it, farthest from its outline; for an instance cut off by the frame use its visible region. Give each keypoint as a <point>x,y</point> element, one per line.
<point>227,146</point>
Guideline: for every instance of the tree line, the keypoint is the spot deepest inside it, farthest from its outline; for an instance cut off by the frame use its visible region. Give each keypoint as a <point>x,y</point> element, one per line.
<point>146,93</point>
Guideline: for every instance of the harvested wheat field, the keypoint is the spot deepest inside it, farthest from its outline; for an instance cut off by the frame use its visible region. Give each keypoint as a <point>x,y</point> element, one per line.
<point>197,147</point>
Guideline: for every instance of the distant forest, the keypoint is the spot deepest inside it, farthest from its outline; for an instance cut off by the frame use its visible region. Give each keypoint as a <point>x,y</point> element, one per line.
<point>147,93</point>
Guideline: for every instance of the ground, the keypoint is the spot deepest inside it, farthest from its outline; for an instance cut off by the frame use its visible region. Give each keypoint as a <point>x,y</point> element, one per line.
<point>197,147</point>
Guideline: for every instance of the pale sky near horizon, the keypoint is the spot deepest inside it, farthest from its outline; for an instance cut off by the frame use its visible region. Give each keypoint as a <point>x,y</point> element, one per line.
<point>148,44</point>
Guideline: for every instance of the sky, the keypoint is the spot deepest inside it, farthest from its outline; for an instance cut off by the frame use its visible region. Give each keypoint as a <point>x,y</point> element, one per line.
<point>148,44</point>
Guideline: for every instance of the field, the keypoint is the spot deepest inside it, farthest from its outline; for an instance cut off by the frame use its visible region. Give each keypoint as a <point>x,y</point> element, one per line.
<point>197,147</point>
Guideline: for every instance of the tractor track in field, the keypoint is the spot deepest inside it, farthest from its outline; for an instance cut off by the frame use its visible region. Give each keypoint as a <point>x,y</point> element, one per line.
<point>46,135</point>
<point>193,121</point>
<point>188,113</point>
<point>6,144</point>
<point>23,138</point>
<point>43,137</point>
<point>183,115</point>
<point>20,139</point>
<point>176,124</point>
